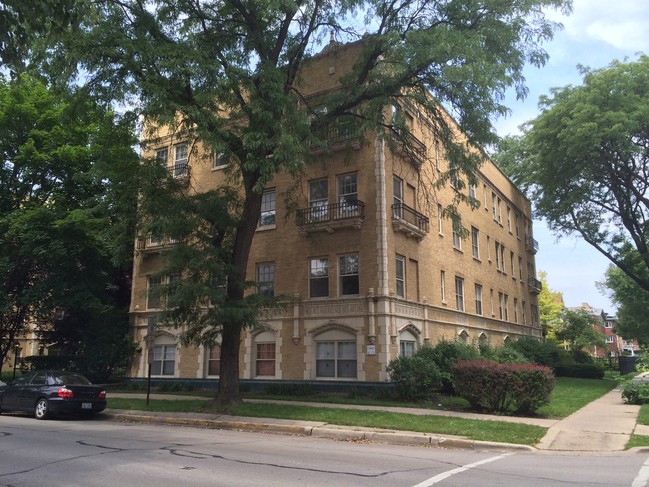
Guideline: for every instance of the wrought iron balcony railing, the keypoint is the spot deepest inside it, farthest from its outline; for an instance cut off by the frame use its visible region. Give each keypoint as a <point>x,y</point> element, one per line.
<point>410,221</point>
<point>531,245</point>
<point>535,285</point>
<point>328,217</point>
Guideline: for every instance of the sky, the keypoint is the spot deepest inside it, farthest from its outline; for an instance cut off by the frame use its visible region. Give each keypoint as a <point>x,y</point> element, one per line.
<point>595,33</point>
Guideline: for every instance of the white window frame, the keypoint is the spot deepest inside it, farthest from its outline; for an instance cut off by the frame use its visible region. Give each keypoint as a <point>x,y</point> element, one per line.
<point>318,272</point>
<point>346,271</point>
<point>268,217</point>
<point>475,243</point>
<point>459,293</point>
<point>400,276</point>
<point>478,299</point>
<point>266,286</point>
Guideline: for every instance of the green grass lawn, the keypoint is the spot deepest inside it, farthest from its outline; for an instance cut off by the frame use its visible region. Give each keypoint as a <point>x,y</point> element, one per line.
<point>569,395</point>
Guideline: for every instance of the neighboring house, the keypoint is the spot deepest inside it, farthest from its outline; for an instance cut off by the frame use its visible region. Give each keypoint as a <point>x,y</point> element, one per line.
<point>615,344</point>
<point>376,270</point>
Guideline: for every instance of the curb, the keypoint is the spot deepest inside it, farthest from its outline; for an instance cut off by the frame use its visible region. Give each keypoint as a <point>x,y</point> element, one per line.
<point>324,431</point>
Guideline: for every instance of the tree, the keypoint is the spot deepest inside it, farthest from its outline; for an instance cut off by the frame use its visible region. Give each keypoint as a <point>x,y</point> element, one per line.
<point>632,304</point>
<point>577,330</point>
<point>585,163</point>
<point>550,307</point>
<point>58,249</point>
<point>228,73</point>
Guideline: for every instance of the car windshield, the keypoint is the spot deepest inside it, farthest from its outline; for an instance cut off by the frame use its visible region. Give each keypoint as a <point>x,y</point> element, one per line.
<point>69,378</point>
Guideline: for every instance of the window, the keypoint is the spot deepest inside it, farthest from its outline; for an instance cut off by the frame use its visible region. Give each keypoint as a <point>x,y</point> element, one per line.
<point>515,310</point>
<point>319,200</point>
<point>153,295</point>
<point>518,226</point>
<point>220,161</point>
<point>336,354</point>
<point>439,219</point>
<point>488,248</point>
<point>267,216</point>
<point>164,356</point>
<point>266,279</point>
<point>265,358</point>
<point>347,195</point>
<point>520,268</point>
<point>407,343</point>
<point>400,273</point>
<point>491,300</point>
<point>523,313</point>
<point>511,262</point>
<point>214,360</point>
<point>478,299</point>
<point>500,214</point>
<point>457,239</point>
<point>162,156</point>
<point>500,305</point>
<point>348,272</point>
<point>319,277</point>
<point>506,305</point>
<point>459,294</point>
<point>473,191</point>
<point>180,160</point>
<point>609,339</point>
<point>502,257</point>
<point>442,285</point>
<point>509,219</point>
<point>494,210</point>
<point>497,246</point>
<point>397,197</point>
<point>475,242</point>
<point>463,337</point>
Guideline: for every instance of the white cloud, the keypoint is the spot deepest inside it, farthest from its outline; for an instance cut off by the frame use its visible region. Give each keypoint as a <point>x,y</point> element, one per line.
<point>621,24</point>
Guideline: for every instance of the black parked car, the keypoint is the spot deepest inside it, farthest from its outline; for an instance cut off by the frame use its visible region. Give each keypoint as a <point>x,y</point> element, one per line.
<point>47,392</point>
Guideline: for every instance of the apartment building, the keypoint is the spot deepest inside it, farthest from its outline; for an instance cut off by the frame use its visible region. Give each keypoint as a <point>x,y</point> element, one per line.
<point>375,269</point>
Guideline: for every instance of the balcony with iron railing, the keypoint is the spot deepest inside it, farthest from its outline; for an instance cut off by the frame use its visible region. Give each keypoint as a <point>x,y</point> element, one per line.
<point>531,245</point>
<point>339,133</point>
<point>179,171</point>
<point>328,218</point>
<point>409,221</point>
<point>534,285</point>
<point>153,245</point>
<point>411,147</point>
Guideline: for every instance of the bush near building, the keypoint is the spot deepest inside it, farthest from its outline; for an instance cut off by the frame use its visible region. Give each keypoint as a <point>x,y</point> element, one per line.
<point>503,388</point>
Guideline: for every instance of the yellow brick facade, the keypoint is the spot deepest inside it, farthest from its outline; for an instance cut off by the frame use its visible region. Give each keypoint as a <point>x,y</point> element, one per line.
<point>415,282</point>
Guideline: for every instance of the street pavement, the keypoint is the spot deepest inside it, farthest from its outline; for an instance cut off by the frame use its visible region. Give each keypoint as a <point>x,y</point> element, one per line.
<point>604,425</point>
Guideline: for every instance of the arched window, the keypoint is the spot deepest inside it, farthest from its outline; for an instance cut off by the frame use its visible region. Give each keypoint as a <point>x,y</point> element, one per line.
<point>407,343</point>
<point>336,354</point>
<point>164,356</point>
<point>463,337</point>
<point>265,354</point>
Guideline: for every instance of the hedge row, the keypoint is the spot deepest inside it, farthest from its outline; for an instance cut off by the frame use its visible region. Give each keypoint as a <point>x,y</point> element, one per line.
<point>503,388</point>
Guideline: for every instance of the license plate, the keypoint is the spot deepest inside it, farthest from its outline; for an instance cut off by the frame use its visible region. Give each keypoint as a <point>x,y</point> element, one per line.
<point>86,405</point>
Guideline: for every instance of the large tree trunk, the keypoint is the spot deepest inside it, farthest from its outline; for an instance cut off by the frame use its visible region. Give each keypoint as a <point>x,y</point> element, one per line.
<point>228,392</point>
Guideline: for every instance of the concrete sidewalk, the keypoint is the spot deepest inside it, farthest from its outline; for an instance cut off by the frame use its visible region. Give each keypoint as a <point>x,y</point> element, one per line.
<point>604,425</point>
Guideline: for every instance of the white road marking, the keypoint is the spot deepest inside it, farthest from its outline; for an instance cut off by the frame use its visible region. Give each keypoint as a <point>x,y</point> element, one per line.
<point>445,475</point>
<point>642,478</point>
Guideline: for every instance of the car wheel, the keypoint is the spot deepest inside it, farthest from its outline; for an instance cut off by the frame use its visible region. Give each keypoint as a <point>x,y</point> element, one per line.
<point>41,411</point>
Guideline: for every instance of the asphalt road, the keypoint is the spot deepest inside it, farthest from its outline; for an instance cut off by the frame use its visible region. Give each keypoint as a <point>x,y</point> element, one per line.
<point>70,452</point>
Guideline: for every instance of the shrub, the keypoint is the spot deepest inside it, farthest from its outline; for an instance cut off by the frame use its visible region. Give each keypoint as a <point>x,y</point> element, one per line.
<point>503,388</point>
<point>636,393</point>
<point>288,389</point>
<point>415,378</point>
<point>536,352</point>
<point>583,371</point>
<point>444,354</point>
<point>508,355</point>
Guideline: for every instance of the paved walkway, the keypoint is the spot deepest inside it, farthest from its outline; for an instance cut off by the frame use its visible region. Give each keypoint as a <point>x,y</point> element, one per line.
<point>604,425</point>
